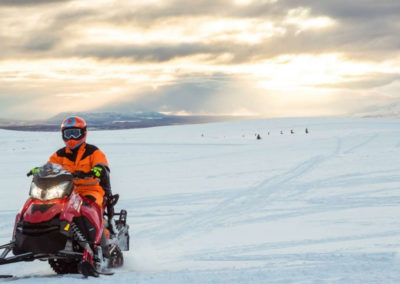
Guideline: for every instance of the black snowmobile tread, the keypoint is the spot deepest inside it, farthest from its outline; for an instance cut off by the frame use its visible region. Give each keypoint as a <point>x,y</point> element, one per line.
<point>62,267</point>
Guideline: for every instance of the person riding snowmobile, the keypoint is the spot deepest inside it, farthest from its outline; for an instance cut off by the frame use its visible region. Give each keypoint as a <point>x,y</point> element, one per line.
<point>90,167</point>
<point>80,157</point>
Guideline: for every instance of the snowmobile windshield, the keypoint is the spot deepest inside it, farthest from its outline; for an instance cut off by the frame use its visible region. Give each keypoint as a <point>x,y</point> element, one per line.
<point>51,182</point>
<point>58,191</point>
<point>72,133</point>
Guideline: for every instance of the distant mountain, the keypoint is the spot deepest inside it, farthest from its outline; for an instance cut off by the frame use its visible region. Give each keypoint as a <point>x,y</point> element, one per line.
<point>106,117</point>
<point>113,120</point>
<point>385,111</point>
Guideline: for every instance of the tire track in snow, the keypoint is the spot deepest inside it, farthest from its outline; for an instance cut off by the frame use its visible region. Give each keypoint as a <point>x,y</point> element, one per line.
<point>231,253</point>
<point>362,144</point>
<point>322,207</point>
<point>255,199</point>
<point>242,203</point>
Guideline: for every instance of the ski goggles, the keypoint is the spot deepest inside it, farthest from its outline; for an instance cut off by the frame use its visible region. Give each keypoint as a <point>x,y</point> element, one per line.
<point>72,133</point>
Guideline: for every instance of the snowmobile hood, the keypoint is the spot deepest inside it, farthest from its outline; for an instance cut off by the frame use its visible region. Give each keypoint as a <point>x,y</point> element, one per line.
<point>38,211</point>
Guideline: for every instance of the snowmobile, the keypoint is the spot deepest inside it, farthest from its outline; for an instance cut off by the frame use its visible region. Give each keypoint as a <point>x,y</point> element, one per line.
<point>53,225</point>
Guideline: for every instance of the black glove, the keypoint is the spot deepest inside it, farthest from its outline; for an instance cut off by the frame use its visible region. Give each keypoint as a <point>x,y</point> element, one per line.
<point>102,172</point>
<point>81,174</point>
<point>111,201</point>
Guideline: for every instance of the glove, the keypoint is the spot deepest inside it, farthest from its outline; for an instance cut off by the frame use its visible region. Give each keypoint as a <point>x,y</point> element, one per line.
<point>80,175</point>
<point>33,171</point>
<point>102,172</point>
<point>97,172</point>
<point>112,199</point>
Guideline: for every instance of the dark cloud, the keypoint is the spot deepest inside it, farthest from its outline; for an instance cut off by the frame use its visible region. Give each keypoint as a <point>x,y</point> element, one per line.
<point>361,46</point>
<point>366,81</point>
<point>218,8</point>
<point>356,10</point>
<point>29,2</point>
<point>352,10</point>
<point>363,27</point>
<point>153,53</point>
<point>364,30</point>
<point>41,43</point>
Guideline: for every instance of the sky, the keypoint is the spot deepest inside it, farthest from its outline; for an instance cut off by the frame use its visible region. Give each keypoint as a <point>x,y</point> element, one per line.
<point>271,58</point>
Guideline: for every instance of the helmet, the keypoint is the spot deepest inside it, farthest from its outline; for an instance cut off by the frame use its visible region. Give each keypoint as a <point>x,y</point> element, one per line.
<point>73,131</point>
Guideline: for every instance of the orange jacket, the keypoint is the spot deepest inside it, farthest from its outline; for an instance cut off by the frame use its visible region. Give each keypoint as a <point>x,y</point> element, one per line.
<point>84,159</point>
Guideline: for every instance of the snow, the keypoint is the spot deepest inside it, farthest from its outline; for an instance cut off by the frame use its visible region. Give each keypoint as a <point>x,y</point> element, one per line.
<point>209,203</point>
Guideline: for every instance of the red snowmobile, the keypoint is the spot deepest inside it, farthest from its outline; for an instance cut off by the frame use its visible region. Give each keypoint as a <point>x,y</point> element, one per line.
<point>56,224</point>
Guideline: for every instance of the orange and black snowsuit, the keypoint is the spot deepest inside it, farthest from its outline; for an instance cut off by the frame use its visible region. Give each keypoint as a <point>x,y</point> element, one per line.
<point>84,159</point>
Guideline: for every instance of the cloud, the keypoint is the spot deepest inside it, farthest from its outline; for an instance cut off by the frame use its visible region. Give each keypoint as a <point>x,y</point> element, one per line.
<point>198,94</point>
<point>34,96</point>
<point>360,30</point>
<point>206,57</point>
<point>28,2</point>
<point>366,81</point>
<point>154,53</point>
<point>233,95</point>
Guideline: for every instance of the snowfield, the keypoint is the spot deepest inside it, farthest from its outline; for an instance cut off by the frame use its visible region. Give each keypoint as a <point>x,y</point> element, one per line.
<point>211,204</point>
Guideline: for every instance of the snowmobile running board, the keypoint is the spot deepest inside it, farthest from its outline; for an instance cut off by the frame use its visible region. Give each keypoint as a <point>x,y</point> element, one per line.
<point>9,245</point>
<point>29,256</point>
<point>86,268</point>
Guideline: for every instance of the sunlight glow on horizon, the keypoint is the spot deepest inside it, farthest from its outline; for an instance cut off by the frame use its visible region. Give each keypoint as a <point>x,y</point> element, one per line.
<point>299,76</point>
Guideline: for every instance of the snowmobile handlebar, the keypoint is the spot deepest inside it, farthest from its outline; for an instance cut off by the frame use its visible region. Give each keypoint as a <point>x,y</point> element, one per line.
<point>82,174</point>
<point>76,174</point>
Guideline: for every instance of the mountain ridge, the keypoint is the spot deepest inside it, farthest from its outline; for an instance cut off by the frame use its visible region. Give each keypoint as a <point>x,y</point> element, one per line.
<point>112,120</point>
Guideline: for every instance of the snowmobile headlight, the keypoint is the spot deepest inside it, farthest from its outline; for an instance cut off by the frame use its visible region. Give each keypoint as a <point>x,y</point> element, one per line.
<point>55,192</point>
<point>35,192</point>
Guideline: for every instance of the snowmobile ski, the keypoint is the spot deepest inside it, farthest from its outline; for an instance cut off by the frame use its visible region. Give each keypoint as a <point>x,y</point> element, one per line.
<point>87,269</point>
<point>108,273</point>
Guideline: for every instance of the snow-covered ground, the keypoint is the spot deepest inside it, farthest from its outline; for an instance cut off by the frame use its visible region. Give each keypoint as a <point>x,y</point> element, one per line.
<point>211,204</point>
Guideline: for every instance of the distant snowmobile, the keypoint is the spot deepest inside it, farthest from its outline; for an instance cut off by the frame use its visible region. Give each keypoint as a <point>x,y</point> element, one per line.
<point>51,226</point>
